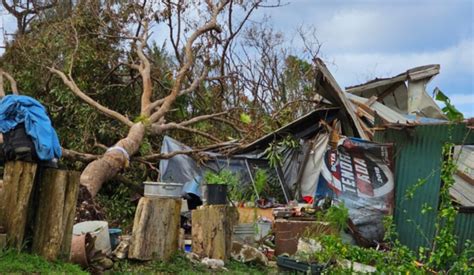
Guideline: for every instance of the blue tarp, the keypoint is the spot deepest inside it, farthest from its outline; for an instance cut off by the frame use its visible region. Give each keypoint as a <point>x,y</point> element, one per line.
<point>15,109</point>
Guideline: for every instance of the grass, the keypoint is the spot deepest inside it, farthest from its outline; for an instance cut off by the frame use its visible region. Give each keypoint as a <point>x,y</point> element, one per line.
<point>180,265</point>
<point>12,261</point>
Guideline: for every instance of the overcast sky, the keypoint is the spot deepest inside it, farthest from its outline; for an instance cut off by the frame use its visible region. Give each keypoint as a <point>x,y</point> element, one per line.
<point>367,38</point>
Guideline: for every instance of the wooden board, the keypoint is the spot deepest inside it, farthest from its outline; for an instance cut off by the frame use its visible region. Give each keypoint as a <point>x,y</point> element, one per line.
<point>249,214</point>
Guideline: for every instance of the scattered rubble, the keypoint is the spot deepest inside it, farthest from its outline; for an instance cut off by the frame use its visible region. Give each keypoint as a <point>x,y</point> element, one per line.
<point>247,254</point>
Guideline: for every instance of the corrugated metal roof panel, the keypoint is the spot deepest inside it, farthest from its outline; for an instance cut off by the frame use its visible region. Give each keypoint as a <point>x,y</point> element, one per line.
<point>418,158</point>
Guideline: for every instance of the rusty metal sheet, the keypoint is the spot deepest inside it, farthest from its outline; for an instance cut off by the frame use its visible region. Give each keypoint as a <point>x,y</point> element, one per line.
<point>287,233</point>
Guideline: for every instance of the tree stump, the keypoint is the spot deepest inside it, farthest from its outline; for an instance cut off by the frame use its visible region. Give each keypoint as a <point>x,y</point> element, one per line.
<point>54,219</point>
<point>18,181</point>
<point>155,229</point>
<point>212,228</point>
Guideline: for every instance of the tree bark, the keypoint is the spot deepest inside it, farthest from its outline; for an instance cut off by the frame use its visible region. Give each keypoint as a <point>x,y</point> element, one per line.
<point>212,228</point>
<point>113,161</point>
<point>18,179</point>
<point>58,191</point>
<point>155,229</point>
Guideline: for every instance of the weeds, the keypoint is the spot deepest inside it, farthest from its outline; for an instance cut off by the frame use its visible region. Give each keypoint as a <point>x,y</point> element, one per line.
<point>12,261</point>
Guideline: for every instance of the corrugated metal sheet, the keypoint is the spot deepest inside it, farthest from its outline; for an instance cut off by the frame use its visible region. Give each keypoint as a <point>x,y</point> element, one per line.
<point>418,157</point>
<point>464,228</point>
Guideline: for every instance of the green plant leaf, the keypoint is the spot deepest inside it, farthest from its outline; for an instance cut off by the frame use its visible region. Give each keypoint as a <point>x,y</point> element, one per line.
<point>245,118</point>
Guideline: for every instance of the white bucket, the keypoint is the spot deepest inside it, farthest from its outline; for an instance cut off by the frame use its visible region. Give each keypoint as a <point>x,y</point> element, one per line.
<point>98,229</point>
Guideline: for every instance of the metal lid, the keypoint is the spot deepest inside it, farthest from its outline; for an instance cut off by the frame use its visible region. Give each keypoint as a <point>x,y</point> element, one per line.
<point>162,183</point>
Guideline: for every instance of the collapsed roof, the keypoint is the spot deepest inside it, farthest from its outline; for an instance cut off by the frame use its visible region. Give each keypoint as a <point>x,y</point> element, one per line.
<point>404,93</point>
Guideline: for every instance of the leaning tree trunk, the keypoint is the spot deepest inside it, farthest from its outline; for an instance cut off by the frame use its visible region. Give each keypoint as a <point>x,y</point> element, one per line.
<point>113,161</point>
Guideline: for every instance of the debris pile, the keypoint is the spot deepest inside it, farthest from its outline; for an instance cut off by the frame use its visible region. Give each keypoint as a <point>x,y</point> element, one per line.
<point>330,172</point>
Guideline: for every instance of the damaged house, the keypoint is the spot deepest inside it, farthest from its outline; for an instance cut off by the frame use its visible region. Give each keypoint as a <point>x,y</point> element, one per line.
<point>365,146</point>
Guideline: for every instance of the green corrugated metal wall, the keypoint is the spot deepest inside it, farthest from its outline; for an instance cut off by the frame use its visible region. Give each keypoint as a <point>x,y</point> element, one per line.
<point>418,155</point>
<point>464,228</point>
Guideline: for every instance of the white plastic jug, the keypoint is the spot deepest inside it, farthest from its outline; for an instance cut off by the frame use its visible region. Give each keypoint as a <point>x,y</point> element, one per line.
<point>98,229</point>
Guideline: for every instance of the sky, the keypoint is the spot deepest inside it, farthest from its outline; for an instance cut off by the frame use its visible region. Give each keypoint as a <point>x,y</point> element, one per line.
<point>368,39</point>
<point>365,39</point>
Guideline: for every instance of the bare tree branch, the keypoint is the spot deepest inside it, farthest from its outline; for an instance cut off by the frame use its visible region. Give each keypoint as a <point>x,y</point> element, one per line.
<point>201,118</point>
<point>68,81</point>
<point>159,129</point>
<point>188,90</point>
<point>189,59</point>
<point>144,69</point>
<point>156,157</point>
<point>74,155</point>
<point>2,90</point>
<point>12,81</point>
<point>21,12</point>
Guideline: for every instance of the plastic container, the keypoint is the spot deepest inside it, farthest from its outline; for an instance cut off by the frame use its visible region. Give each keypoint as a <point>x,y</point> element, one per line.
<point>98,229</point>
<point>114,235</point>
<point>163,189</point>
<point>244,233</point>
<point>287,264</point>
<point>216,194</point>
<point>78,250</point>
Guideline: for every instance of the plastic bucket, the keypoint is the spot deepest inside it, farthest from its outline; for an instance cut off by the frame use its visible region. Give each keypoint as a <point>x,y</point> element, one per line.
<point>216,194</point>
<point>244,233</point>
<point>114,235</point>
<point>78,250</point>
<point>98,229</point>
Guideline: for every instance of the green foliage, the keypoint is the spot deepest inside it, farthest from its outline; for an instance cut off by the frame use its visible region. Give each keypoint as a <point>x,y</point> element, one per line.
<point>145,147</point>
<point>443,253</point>
<point>245,118</point>
<point>441,257</point>
<point>119,209</point>
<point>389,229</point>
<point>142,119</point>
<point>273,153</point>
<point>12,261</point>
<point>261,178</point>
<point>449,110</point>
<point>224,176</point>
<point>338,215</point>
<point>399,259</point>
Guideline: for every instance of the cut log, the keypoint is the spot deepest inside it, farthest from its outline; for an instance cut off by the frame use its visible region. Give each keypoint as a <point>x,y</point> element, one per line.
<point>212,228</point>
<point>1,191</point>
<point>155,229</point>
<point>18,181</point>
<point>54,219</point>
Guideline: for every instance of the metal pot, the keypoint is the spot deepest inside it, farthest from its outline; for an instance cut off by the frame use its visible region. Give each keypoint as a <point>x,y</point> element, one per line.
<point>163,189</point>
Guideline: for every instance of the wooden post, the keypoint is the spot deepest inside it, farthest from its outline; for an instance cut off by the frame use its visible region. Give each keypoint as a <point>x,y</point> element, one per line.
<point>155,229</point>
<point>18,180</point>
<point>212,228</point>
<point>54,219</point>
